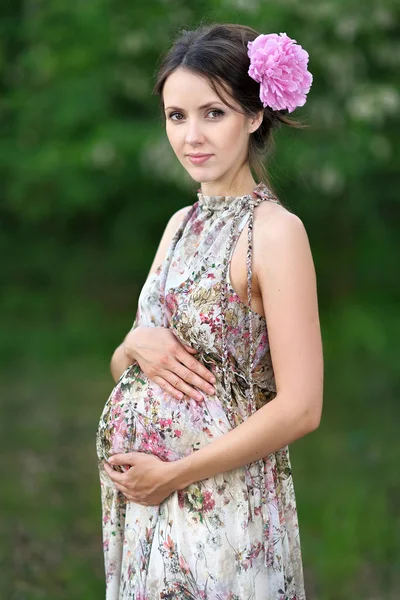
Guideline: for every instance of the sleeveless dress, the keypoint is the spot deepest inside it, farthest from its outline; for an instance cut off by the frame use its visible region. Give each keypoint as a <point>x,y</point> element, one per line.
<point>233,536</point>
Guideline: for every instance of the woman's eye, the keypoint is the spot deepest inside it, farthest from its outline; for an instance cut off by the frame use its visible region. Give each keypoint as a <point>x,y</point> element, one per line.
<point>218,112</point>
<point>173,115</point>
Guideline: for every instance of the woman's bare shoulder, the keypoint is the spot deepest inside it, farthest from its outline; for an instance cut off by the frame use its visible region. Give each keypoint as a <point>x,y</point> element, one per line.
<point>279,235</point>
<point>273,221</point>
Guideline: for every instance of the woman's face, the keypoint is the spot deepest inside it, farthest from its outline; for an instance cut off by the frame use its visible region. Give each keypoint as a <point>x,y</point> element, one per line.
<point>198,122</point>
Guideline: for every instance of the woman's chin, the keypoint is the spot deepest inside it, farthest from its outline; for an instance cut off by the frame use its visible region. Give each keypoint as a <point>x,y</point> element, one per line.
<point>202,176</point>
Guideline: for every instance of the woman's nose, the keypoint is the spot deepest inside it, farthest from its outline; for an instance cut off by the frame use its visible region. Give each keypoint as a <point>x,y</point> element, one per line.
<point>194,134</point>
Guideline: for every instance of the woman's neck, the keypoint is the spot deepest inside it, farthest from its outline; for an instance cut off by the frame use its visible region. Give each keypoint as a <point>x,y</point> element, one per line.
<point>240,187</point>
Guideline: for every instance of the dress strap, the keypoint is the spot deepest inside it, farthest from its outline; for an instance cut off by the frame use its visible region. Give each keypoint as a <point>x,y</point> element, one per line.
<point>247,204</point>
<point>250,314</point>
<point>262,194</point>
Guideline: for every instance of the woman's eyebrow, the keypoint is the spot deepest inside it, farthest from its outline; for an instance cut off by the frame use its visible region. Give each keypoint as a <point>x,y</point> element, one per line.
<point>200,107</point>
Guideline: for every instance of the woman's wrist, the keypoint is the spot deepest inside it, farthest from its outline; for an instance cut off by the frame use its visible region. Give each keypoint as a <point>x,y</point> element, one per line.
<point>119,362</point>
<point>180,475</point>
<point>129,345</point>
<point>123,357</point>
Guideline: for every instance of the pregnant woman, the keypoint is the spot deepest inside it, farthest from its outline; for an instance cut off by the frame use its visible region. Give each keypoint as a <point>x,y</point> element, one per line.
<point>223,366</point>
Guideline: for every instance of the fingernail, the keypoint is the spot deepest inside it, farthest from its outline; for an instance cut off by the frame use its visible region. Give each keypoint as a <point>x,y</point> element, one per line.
<point>111,460</point>
<point>210,390</point>
<point>199,397</point>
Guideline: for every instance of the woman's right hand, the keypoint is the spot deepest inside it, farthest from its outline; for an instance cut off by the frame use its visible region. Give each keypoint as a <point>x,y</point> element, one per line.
<point>168,362</point>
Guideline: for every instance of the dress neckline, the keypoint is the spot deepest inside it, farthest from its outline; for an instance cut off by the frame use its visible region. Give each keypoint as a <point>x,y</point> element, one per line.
<point>216,203</point>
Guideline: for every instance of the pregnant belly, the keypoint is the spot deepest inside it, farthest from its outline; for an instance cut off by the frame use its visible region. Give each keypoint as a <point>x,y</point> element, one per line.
<point>140,417</point>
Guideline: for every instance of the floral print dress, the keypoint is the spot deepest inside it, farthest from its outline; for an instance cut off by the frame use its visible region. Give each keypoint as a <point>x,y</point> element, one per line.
<point>233,536</point>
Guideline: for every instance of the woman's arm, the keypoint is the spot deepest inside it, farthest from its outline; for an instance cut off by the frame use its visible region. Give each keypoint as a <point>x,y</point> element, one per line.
<point>119,362</point>
<point>122,359</point>
<point>285,272</point>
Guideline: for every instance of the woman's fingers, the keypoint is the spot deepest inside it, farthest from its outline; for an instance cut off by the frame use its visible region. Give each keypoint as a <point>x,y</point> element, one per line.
<point>180,386</point>
<point>123,489</point>
<point>196,367</point>
<point>184,373</point>
<point>197,373</point>
<point>167,387</point>
<point>174,385</point>
<point>189,348</point>
<point>190,377</point>
<point>117,479</point>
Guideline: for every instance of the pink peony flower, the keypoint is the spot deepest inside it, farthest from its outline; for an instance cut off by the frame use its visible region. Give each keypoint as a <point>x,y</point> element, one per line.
<point>280,66</point>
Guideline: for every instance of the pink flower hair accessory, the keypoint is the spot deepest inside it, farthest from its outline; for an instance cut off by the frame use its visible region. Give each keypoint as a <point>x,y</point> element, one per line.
<point>279,65</point>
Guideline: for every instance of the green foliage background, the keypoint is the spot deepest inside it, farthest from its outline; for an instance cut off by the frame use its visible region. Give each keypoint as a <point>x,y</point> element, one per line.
<point>87,185</point>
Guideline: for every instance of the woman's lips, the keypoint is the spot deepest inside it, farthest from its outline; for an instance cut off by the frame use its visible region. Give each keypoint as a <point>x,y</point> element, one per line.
<point>198,160</point>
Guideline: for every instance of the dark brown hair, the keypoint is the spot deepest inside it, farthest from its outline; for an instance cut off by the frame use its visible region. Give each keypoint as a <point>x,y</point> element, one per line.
<point>219,53</point>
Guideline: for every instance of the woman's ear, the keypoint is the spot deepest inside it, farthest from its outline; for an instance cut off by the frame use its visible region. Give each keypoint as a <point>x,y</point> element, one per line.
<point>256,121</point>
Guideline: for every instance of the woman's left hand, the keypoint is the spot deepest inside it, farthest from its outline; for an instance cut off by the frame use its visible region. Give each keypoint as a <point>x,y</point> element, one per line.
<point>148,481</point>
